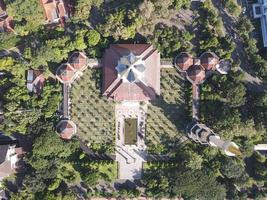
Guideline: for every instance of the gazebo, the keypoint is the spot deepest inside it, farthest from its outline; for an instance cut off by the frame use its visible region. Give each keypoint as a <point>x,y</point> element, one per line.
<point>66,129</point>
<point>196,74</point>
<point>209,60</point>
<point>183,61</point>
<point>65,73</point>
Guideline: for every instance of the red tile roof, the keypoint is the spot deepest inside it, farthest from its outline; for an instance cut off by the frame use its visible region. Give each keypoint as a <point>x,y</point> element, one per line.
<point>65,73</point>
<point>54,10</point>
<point>209,60</point>
<point>6,24</point>
<point>183,61</point>
<point>78,61</point>
<point>66,129</point>
<point>37,81</point>
<point>115,88</point>
<point>196,74</point>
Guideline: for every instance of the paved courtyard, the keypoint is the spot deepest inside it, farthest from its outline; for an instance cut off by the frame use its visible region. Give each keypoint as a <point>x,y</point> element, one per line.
<point>130,157</point>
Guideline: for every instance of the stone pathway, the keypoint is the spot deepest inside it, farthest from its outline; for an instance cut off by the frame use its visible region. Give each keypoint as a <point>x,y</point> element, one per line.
<point>130,158</point>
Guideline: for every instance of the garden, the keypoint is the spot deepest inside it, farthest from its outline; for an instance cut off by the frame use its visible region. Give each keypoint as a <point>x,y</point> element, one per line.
<point>168,115</point>
<point>93,114</point>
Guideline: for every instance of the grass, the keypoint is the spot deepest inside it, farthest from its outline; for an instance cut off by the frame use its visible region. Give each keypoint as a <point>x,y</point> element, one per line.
<point>167,116</point>
<point>93,114</point>
<point>130,131</point>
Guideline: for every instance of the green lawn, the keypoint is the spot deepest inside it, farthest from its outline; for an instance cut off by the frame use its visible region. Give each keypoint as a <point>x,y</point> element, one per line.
<point>130,131</point>
<point>167,116</point>
<point>93,114</point>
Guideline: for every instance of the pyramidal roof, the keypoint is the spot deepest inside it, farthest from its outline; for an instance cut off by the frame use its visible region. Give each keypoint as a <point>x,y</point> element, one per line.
<point>131,69</point>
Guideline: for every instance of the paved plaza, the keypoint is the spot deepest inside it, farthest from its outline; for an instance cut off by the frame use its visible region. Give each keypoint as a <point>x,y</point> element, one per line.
<point>130,158</point>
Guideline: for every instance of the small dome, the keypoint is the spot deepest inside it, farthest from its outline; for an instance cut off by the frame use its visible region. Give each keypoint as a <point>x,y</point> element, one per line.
<point>183,61</point>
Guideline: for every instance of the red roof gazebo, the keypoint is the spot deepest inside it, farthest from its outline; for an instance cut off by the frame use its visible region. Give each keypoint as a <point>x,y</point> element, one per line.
<point>79,61</point>
<point>66,129</point>
<point>196,74</point>
<point>209,60</point>
<point>183,61</point>
<point>65,73</point>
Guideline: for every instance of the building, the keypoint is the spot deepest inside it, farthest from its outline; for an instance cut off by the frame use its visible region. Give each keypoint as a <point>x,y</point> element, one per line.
<point>6,24</point>
<point>55,11</point>
<point>79,61</point>
<point>262,148</point>
<point>200,133</point>
<point>196,74</point>
<point>35,81</point>
<point>223,67</point>
<point>131,72</point>
<point>67,72</point>
<point>183,61</point>
<point>9,156</point>
<point>196,69</point>
<point>66,129</point>
<point>260,11</point>
<point>209,60</point>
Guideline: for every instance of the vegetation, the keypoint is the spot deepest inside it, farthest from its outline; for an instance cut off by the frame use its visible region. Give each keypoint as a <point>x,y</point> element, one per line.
<point>167,117</point>
<point>93,114</point>
<point>232,7</point>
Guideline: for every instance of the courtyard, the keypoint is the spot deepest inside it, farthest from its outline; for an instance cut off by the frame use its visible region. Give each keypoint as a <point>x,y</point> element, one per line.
<point>95,116</point>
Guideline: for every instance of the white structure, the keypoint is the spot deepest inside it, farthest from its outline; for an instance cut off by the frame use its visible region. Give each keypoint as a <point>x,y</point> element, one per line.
<point>202,134</point>
<point>260,11</point>
<point>8,156</point>
<point>130,158</point>
<point>223,66</point>
<point>260,147</point>
<point>131,69</point>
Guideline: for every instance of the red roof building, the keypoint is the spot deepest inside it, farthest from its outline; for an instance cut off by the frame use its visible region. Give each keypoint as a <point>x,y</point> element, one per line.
<point>78,61</point>
<point>66,129</point>
<point>55,10</point>
<point>65,73</point>
<point>6,23</point>
<point>183,61</point>
<point>209,60</point>
<point>35,81</point>
<point>196,74</point>
<point>131,72</point>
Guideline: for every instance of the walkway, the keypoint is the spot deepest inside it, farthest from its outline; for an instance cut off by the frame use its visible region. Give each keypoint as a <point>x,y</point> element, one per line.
<point>195,102</point>
<point>130,158</point>
<point>66,101</point>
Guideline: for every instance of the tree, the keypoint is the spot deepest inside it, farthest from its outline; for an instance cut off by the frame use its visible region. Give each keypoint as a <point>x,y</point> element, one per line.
<point>28,14</point>
<point>197,185</point>
<point>93,38</point>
